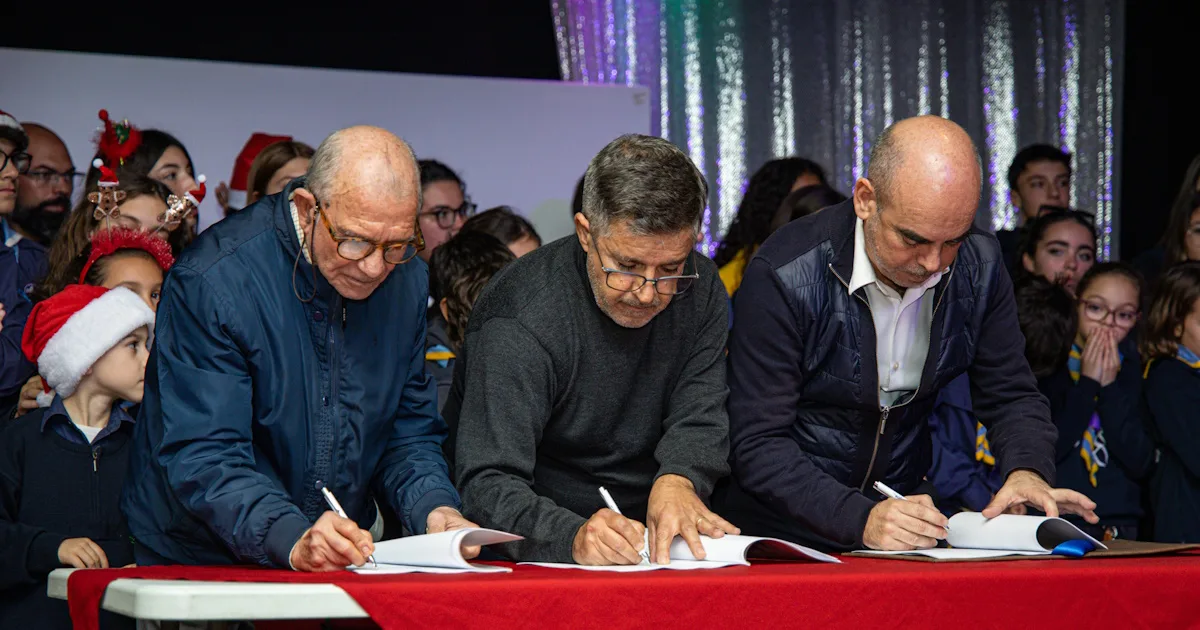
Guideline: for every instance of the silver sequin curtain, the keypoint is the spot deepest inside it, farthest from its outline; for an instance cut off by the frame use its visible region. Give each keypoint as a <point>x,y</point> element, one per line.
<point>738,82</point>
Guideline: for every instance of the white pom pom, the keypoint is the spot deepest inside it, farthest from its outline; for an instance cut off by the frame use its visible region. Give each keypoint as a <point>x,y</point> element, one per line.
<point>97,162</point>
<point>201,179</point>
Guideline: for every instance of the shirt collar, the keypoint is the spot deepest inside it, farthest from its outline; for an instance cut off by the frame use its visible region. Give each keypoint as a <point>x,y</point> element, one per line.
<point>299,230</point>
<point>864,272</point>
<point>11,236</point>
<point>57,410</point>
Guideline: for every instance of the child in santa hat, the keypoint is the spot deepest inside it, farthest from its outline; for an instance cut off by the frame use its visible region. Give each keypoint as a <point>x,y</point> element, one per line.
<point>114,258</point>
<point>62,468</point>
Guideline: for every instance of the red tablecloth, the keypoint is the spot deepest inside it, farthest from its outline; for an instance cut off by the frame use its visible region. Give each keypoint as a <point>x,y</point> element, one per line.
<point>1155,592</point>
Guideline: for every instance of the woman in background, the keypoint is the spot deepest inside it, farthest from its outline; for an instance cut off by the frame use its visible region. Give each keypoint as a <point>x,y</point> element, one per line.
<point>1181,239</point>
<point>275,166</point>
<point>766,190</point>
<point>508,227</point>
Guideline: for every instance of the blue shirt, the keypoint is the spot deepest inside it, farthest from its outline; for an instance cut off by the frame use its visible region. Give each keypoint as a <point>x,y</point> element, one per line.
<point>22,263</point>
<point>57,418</point>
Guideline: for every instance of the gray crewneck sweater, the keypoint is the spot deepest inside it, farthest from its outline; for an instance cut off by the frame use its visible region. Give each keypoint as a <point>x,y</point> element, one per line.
<point>553,399</point>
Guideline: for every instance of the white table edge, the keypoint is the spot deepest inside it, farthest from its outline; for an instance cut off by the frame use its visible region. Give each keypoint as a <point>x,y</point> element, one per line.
<point>184,600</point>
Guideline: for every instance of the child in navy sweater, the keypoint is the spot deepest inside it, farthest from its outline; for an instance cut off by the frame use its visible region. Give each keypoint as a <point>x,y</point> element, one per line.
<point>1172,402</point>
<point>1103,449</point>
<point>62,468</point>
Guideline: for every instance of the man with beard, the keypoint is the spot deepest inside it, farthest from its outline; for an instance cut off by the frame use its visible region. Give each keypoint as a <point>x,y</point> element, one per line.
<point>44,196</point>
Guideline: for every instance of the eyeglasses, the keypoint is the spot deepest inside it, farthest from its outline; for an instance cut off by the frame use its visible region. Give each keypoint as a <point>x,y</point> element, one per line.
<point>446,216</point>
<point>19,160</point>
<point>43,178</point>
<point>352,248</point>
<point>1098,311</point>
<point>628,282</point>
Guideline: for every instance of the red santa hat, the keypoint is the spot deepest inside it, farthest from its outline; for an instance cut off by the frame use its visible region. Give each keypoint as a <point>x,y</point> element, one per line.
<point>254,146</point>
<point>110,241</point>
<point>67,333</point>
<point>117,141</point>
<point>197,195</point>
<point>12,130</point>
<point>108,178</point>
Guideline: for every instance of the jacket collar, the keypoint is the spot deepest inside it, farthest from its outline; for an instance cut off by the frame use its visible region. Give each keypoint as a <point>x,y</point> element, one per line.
<point>285,229</point>
<point>841,237</point>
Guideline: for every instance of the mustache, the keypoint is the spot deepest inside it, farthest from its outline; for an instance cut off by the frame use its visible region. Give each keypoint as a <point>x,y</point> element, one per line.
<point>62,201</point>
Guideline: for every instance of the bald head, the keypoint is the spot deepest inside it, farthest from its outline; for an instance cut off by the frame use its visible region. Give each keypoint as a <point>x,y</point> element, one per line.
<point>368,164</point>
<point>928,154</point>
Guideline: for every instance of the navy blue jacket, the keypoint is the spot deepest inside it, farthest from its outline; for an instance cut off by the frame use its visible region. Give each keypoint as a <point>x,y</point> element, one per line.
<point>253,396</point>
<point>1130,450</point>
<point>21,266</point>
<point>961,481</point>
<point>808,434</point>
<point>53,488</point>
<point>1171,399</point>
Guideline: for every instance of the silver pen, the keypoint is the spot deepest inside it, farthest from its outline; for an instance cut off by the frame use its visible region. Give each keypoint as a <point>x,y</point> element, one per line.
<point>612,505</point>
<point>337,509</point>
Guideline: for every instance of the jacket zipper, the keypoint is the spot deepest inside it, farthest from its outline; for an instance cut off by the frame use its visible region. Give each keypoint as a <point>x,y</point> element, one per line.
<point>885,410</point>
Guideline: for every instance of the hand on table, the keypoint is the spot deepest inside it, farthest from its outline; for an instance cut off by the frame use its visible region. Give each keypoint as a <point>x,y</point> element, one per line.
<point>29,393</point>
<point>609,538</point>
<point>332,544</point>
<point>444,519</point>
<point>82,553</point>
<point>1025,487</point>
<point>675,510</point>
<point>896,525</point>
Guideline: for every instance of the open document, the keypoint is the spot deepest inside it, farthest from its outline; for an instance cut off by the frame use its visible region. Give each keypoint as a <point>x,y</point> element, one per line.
<point>435,553</point>
<point>727,551</point>
<point>973,537</point>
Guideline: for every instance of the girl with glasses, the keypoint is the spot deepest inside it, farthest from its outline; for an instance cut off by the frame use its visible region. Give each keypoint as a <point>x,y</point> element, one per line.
<point>1103,449</point>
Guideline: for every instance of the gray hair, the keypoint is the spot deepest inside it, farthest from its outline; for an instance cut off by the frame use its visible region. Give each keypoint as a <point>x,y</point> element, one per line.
<point>886,157</point>
<point>328,159</point>
<point>646,181</point>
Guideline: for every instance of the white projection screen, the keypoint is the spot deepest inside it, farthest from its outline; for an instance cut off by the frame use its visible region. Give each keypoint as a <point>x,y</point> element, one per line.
<point>517,142</point>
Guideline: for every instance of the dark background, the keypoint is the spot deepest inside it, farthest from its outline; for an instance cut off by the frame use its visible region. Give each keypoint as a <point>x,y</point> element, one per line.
<point>515,38</point>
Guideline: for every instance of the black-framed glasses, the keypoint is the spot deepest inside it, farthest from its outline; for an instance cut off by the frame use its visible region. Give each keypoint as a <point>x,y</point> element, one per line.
<point>353,248</point>
<point>629,282</point>
<point>46,177</point>
<point>446,216</point>
<point>20,159</point>
<point>1098,311</point>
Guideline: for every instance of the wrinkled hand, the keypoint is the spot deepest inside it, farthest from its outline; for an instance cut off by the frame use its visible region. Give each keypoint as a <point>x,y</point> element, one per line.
<point>332,544</point>
<point>29,393</point>
<point>674,510</point>
<point>444,519</point>
<point>1025,487</point>
<point>609,538</point>
<point>82,553</point>
<point>896,525</point>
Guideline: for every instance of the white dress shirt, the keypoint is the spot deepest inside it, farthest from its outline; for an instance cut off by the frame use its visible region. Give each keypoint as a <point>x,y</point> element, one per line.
<point>902,324</point>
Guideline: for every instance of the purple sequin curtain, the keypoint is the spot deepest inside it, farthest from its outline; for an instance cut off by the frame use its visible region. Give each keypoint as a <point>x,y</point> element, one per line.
<point>738,82</point>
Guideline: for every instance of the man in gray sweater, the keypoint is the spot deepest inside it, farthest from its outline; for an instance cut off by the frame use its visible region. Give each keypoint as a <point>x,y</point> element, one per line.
<point>599,360</point>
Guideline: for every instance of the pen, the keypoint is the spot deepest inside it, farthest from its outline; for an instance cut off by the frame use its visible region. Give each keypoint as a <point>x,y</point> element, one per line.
<point>612,505</point>
<point>337,509</point>
<point>883,489</point>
